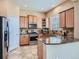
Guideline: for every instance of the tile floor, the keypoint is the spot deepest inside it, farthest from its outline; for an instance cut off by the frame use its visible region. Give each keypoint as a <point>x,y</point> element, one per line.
<point>24,52</point>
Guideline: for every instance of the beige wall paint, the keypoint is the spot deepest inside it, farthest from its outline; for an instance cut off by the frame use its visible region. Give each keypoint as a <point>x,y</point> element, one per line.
<point>27,12</point>
<point>8,9</point>
<point>76,21</point>
<point>12,9</point>
<point>3,8</point>
<point>38,14</point>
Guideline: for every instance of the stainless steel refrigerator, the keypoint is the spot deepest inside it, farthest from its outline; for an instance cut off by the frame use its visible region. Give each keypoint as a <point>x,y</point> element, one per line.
<point>4,37</point>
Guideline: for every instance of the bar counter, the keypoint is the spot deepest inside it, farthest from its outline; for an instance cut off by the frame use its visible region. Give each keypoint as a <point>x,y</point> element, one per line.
<point>56,40</point>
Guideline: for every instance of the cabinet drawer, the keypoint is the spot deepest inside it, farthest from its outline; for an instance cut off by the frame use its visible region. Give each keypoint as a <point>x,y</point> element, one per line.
<point>24,40</point>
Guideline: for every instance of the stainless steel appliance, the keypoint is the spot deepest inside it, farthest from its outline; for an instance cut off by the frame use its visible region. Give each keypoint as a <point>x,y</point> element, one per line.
<point>4,37</point>
<point>32,26</point>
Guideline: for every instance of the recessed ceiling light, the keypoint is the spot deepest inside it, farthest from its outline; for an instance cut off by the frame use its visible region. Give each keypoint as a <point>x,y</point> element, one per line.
<point>42,8</point>
<point>25,6</point>
<point>53,5</point>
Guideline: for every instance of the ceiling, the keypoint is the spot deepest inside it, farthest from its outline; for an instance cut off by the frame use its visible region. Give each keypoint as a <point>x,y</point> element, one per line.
<point>38,5</point>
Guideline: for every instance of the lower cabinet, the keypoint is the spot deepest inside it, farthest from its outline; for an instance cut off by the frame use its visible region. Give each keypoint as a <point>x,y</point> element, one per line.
<point>24,40</point>
<point>40,50</point>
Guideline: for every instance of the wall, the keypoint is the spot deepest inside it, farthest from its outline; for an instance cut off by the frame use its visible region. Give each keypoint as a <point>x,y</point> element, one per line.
<point>3,8</point>
<point>12,9</point>
<point>8,9</point>
<point>76,21</point>
<point>38,14</point>
<point>63,51</point>
<point>64,6</point>
<point>14,30</point>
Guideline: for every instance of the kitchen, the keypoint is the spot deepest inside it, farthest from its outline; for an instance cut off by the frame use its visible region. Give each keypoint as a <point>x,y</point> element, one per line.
<point>42,35</point>
<point>61,25</point>
<point>29,28</point>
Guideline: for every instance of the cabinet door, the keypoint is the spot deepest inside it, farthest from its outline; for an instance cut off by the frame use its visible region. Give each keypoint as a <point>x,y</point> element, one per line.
<point>62,19</point>
<point>70,18</point>
<point>40,50</point>
<point>30,19</point>
<point>35,20</point>
<point>22,22</point>
<point>26,22</point>
<point>24,40</point>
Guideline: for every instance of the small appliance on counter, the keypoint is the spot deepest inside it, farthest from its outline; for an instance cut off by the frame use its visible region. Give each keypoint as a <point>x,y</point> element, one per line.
<point>45,30</point>
<point>69,32</point>
<point>23,31</point>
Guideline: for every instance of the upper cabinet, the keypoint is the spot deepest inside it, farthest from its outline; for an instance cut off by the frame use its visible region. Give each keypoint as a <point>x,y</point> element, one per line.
<point>35,20</point>
<point>67,18</point>
<point>62,19</point>
<point>32,19</point>
<point>23,22</point>
<point>26,22</point>
<point>70,18</point>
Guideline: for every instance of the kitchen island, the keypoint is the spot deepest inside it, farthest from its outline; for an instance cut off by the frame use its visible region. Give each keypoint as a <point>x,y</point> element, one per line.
<point>58,47</point>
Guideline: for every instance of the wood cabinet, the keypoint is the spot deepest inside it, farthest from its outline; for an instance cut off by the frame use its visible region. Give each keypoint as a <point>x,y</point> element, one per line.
<point>24,40</point>
<point>35,20</point>
<point>26,22</point>
<point>40,50</point>
<point>23,22</point>
<point>70,18</point>
<point>62,19</point>
<point>32,19</point>
<point>67,18</point>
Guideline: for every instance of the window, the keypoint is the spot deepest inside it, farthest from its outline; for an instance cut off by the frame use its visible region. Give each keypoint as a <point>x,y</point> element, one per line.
<point>54,22</point>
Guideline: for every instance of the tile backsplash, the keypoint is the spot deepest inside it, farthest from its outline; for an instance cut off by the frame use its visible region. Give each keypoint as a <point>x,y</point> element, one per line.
<point>23,31</point>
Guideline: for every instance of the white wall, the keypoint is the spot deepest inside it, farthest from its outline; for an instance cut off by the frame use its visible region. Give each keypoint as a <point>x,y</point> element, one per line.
<point>63,51</point>
<point>14,32</point>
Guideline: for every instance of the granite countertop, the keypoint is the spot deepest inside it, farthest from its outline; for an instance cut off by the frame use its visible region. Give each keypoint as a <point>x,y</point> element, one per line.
<point>56,40</point>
